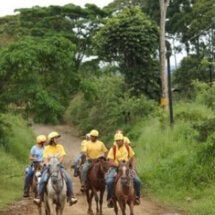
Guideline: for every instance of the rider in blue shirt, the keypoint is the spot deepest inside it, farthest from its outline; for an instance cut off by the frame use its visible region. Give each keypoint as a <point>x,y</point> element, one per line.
<point>36,155</point>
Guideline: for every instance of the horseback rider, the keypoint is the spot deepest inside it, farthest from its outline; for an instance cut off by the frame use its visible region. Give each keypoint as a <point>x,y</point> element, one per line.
<point>126,140</point>
<point>52,149</point>
<point>93,150</point>
<point>36,156</point>
<point>121,152</point>
<point>80,155</point>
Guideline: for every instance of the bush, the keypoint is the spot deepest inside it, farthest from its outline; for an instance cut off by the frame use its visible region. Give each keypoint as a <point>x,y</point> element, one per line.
<point>108,108</point>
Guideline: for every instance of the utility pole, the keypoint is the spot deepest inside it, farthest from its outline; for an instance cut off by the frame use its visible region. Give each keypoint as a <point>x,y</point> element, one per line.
<point>163,9</point>
<point>168,54</point>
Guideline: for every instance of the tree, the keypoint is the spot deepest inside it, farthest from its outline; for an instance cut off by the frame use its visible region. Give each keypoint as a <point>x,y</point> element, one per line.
<point>37,76</point>
<point>131,40</point>
<point>163,9</point>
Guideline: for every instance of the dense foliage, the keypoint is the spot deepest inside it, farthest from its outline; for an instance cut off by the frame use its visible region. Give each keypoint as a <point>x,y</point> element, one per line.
<point>107,108</point>
<point>32,71</point>
<point>131,40</point>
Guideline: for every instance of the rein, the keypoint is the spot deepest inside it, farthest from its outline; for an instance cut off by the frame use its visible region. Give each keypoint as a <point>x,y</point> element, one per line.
<point>127,186</point>
<point>58,179</point>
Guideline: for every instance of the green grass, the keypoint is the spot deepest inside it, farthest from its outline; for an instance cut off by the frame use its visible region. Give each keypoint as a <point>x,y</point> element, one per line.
<point>12,177</point>
<point>169,161</point>
<point>13,159</point>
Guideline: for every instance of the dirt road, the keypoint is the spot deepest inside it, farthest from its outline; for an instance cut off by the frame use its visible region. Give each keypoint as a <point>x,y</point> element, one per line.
<point>72,146</point>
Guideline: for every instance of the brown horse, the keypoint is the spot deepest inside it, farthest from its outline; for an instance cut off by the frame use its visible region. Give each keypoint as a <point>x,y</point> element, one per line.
<point>124,189</point>
<point>37,167</point>
<point>36,177</point>
<point>96,183</point>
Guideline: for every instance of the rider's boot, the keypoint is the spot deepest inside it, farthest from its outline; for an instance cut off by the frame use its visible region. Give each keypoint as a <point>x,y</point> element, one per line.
<point>71,199</point>
<point>82,188</point>
<point>26,193</point>
<point>137,200</point>
<point>38,200</point>
<point>75,172</point>
<point>110,203</point>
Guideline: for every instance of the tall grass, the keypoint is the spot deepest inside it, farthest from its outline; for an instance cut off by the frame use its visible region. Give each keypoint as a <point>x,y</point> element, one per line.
<point>13,158</point>
<point>169,161</point>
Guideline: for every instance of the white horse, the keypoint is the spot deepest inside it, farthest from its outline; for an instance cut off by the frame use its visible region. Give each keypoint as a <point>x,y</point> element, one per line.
<point>55,192</point>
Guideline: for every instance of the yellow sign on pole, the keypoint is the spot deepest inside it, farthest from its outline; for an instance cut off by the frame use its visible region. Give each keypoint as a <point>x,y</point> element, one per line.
<point>164,102</point>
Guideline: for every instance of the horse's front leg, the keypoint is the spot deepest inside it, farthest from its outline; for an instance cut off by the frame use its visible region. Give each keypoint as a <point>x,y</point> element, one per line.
<point>101,201</point>
<point>89,201</point>
<point>97,200</point>
<point>131,207</point>
<point>115,206</point>
<point>122,205</point>
<point>50,206</point>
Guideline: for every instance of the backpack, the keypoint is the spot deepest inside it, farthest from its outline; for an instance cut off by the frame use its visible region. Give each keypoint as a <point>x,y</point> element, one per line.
<point>114,150</point>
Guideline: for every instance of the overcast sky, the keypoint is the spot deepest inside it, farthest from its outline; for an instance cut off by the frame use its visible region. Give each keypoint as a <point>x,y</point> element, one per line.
<point>8,6</point>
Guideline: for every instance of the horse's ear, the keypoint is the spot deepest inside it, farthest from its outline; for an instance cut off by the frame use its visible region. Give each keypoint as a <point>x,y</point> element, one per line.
<point>49,156</point>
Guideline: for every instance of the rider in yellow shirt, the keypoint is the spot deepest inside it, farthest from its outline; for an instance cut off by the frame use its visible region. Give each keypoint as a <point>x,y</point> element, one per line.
<point>117,153</point>
<point>93,150</point>
<point>52,149</point>
<point>126,140</point>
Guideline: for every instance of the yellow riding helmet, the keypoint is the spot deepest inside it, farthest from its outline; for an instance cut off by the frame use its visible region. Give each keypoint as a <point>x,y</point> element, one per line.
<point>52,135</point>
<point>118,136</point>
<point>41,139</point>
<point>94,133</point>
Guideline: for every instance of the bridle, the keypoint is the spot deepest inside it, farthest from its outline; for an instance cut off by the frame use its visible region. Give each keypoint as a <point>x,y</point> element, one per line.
<point>54,175</point>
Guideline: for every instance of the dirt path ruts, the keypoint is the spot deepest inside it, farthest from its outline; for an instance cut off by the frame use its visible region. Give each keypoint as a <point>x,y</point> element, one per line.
<point>72,146</point>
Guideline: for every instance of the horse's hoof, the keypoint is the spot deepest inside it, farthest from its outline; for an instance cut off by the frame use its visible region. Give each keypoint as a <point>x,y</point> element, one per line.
<point>90,212</point>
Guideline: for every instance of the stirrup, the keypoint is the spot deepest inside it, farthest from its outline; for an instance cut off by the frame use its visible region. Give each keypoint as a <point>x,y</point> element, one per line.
<point>26,194</point>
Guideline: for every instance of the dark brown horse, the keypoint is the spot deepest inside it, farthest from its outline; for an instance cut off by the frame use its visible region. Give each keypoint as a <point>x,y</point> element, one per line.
<point>96,183</point>
<point>124,189</point>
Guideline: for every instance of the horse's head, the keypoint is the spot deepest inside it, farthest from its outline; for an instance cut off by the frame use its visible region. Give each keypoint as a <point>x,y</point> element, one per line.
<point>124,172</point>
<point>54,167</point>
<point>101,165</point>
<point>104,164</point>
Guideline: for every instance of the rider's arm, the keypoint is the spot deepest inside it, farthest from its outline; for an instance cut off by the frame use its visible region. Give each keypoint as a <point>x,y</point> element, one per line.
<point>32,158</point>
<point>105,154</point>
<point>113,163</point>
<point>61,159</point>
<point>46,160</point>
<point>133,163</point>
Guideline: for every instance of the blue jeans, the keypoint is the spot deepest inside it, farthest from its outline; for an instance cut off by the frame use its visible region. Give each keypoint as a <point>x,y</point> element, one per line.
<point>28,178</point>
<point>84,171</point>
<point>76,162</point>
<point>45,177</point>
<point>112,172</point>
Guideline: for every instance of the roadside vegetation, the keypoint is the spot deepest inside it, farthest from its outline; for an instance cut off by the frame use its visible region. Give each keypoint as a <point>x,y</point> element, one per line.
<point>176,164</point>
<point>16,139</point>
